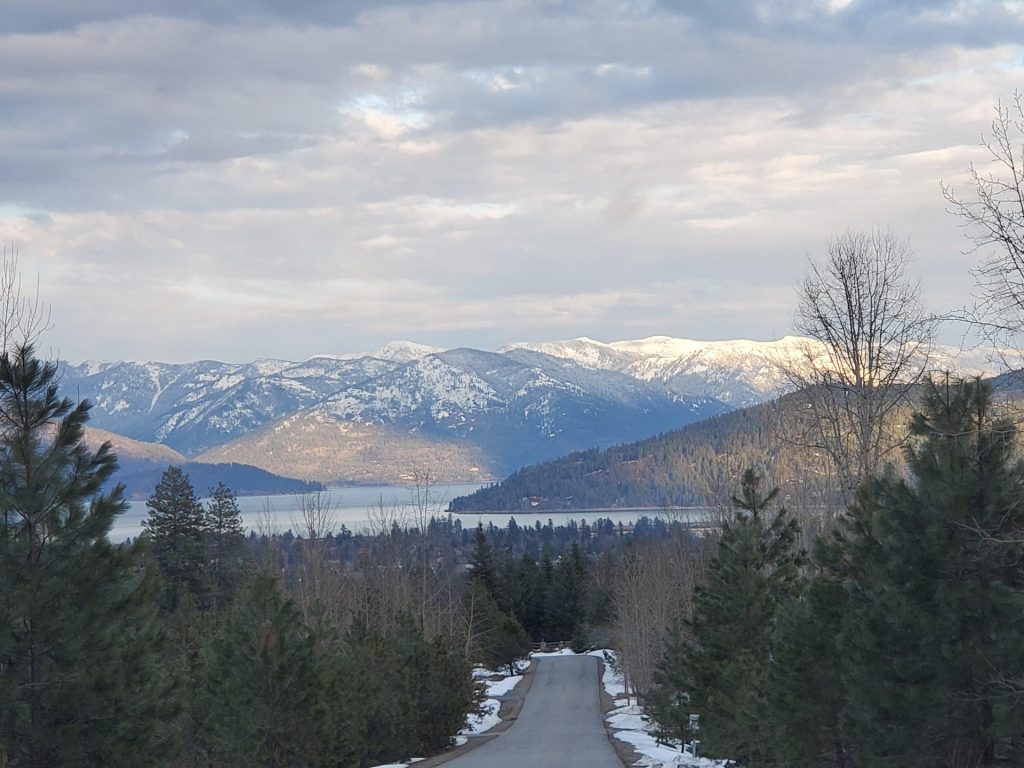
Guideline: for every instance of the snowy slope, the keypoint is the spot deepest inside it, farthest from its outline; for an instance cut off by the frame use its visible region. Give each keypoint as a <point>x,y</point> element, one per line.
<point>518,407</point>
<point>738,372</point>
<point>193,406</point>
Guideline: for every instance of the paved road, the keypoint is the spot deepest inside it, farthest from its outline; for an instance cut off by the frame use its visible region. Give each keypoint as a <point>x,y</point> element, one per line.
<point>560,725</point>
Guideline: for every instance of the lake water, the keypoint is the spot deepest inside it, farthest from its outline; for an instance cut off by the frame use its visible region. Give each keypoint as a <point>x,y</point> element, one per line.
<point>359,510</point>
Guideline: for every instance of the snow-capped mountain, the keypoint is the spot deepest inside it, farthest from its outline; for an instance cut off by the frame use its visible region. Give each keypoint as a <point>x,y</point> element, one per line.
<point>404,351</point>
<point>502,409</point>
<point>521,405</point>
<point>737,372</point>
<point>477,413</point>
<point>194,406</point>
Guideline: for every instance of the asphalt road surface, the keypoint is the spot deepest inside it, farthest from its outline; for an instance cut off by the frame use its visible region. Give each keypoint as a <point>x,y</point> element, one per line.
<point>560,725</point>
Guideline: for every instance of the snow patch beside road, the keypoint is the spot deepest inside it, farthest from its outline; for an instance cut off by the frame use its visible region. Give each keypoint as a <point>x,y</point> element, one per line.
<point>629,724</point>
<point>488,716</point>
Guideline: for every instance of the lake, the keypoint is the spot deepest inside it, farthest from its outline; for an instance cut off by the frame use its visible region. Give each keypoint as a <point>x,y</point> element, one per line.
<point>358,509</point>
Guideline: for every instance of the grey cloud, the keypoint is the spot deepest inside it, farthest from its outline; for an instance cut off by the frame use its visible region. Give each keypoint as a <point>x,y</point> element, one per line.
<point>647,166</point>
<point>889,23</point>
<point>61,15</point>
<point>132,83</point>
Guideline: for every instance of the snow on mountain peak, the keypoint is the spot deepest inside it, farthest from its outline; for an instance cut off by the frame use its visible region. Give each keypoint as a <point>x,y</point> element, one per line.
<point>659,346</point>
<point>404,351</point>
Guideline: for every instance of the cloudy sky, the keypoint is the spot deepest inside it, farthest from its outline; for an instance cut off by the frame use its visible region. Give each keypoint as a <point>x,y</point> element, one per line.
<point>248,178</point>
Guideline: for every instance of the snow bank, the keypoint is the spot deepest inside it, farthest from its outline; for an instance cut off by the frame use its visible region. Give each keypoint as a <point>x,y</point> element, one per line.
<point>629,724</point>
<point>488,717</point>
<point>503,686</point>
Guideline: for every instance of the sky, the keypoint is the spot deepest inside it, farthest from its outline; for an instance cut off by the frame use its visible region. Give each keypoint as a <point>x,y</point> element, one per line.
<point>237,179</point>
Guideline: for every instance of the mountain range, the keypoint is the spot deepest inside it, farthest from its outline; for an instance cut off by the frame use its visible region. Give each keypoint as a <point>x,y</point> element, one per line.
<point>464,414</point>
<point>736,372</point>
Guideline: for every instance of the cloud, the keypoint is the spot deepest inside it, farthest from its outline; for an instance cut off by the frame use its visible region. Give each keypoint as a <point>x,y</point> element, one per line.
<point>260,178</point>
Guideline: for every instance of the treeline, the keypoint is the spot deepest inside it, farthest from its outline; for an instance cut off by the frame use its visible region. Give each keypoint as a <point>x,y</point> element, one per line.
<point>451,542</point>
<point>692,466</point>
<point>897,641</point>
<point>140,475</point>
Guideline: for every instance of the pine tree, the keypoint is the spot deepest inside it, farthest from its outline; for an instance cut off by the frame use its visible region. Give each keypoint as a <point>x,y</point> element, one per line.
<point>225,543</point>
<point>669,702</point>
<point>412,695</point>
<point>481,561</point>
<point>79,643</point>
<point>566,596</point>
<point>525,589</point>
<point>176,530</point>
<point>499,640</point>
<point>262,689</point>
<point>934,567</point>
<point>806,695</point>
<point>720,671</point>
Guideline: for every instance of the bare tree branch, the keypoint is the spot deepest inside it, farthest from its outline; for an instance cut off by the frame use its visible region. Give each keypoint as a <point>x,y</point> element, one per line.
<point>994,217</point>
<point>24,317</point>
<point>870,342</point>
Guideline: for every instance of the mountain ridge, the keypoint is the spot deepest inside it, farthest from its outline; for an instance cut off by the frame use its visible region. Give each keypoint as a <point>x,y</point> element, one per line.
<point>477,413</point>
<point>480,414</point>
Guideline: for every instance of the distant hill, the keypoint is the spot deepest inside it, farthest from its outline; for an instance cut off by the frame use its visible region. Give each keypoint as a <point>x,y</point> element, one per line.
<point>140,477</point>
<point>129,450</point>
<point>696,465</point>
<point>314,444</point>
<point>140,465</point>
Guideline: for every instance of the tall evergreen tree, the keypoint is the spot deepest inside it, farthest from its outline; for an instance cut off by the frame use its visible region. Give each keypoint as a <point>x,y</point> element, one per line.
<point>225,543</point>
<point>481,561</point>
<point>416,698</point>
<point>262,690</point>
<point>79,684</point>
<point>566,597</point>
<point>806,695</point>
<point>176,530</point>
<point>935,571</point>
<point>499,640</point>
<point>719,671</point>
<point>524,588</point>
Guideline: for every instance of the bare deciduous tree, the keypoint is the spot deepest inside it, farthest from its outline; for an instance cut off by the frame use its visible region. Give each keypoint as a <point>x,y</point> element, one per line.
<point>652,593</point>
<point>994,218</point>
<point>23,316</point>
<point>408,577</point>
<point>320,585</point>
<point>870,342</point>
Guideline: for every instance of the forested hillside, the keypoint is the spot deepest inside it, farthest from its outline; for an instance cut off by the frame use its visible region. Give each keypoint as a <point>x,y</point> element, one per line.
<point>696,465</point>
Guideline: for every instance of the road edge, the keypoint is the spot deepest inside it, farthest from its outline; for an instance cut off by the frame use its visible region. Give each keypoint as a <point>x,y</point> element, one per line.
<point>511,706</point>
<point>623,750</point>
